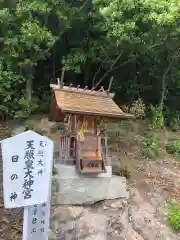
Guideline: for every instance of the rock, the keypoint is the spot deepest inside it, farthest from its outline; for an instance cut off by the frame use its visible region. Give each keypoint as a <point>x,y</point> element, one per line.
<point>75,212</point>
<point>115,226</point>
<point>18,130</point>
<point>137,219</point>
<point>51,236</point>
<point>85,226</point>
<point>64,214</point>
<point>64,231</point>
<point>87,191</point>
<point>129,234</point>
<point>125,217</point>
<point>91,224</point>
<point>115,204</point>
<point>96,237</point>
<point>115,238</point>
<point>5,219</point>
<point>149,227</point>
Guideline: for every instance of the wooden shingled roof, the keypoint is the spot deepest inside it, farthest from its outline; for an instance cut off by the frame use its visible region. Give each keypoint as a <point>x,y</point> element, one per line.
<point>87,102</point>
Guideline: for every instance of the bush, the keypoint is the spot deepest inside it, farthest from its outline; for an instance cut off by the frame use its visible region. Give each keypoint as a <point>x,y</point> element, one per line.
<point>45,102</point>
<point>175,122</point>
<point>29,125</point>
<point>173,146</point>
<point>156,117</point>
<point>174,215</point>
<point>150,146</point>
<point>138,108</point>
<point>54,171</point>
<point>27,108</point>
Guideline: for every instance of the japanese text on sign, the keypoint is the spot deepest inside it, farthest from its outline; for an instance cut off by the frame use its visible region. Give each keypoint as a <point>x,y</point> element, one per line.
<point>25,168</point>
<point>36,222</point>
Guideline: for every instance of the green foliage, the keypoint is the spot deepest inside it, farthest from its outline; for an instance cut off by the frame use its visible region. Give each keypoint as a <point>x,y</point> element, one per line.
<point>173,146</point>
<point>138,108</point>
<point>54,171</point>
<point>150,146</point>
<point>174,215</point>
<point>157,117</point>
<point>175,121</point>
<point>27,108</point>
<point>74,61</point>
<point>29,125</point>
<point>136,42</point>
<point>27,41</point>
<point>44,102</point>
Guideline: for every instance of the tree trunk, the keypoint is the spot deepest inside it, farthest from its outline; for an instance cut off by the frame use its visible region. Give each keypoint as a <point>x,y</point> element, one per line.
<point>163,86</point>
<point>29,88</point>
<point>163,90</point>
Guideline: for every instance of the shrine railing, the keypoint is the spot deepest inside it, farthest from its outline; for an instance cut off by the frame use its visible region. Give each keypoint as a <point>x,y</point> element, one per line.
<point>67,156</point>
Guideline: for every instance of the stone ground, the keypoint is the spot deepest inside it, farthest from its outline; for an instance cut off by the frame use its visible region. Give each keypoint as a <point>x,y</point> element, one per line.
<point>142,216</point>
<point>157,184</point>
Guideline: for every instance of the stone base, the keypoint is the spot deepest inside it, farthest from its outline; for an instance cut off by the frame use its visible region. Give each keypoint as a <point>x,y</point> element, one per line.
<point>66,172</point>
<point>86,191</point>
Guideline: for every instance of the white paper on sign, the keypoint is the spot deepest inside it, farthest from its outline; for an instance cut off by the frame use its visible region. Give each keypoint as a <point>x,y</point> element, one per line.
<point>36,222</point>
<point>27,160</point>
<point>36,218</point>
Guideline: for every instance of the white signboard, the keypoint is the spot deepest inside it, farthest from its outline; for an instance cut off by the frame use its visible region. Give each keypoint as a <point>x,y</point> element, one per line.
<point>27,167</point>
<point>36,219</point>
<point>36,222</point>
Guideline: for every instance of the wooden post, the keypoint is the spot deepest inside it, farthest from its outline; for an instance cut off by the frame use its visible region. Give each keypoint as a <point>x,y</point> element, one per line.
<point>68,146</point>
<point>110,84</point>
<point>60,149</point>
<point>62,76</point>
<point>67,155</point>
<point>58,81</point>
<point>75,118</point>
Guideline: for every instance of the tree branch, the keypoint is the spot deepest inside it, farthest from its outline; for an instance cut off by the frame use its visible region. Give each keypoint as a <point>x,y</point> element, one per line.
<point>164,82</point>
<point>124,63</point>
<point>98,71</point>
<point>108,71</point>
<point>83,5</point>
<point>154,45</point>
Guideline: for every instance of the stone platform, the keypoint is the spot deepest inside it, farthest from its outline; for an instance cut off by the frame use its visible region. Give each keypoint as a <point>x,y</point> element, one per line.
<point>65,171</point>
<point>72,189</point>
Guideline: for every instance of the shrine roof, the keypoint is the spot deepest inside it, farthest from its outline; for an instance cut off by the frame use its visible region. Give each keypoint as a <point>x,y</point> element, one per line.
<point>87,102</point>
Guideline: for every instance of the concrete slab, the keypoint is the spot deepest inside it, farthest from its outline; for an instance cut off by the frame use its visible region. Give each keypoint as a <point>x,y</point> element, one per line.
<point>66,172</point>
<point>85,191</point>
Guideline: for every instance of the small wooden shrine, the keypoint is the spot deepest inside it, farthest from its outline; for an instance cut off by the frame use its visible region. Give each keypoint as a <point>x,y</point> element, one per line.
<point>82,110</point>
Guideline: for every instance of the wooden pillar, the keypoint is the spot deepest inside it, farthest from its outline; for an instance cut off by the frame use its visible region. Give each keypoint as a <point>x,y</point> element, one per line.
<point>75,119</point>
<point>67,147</point>
<point>60,150</point>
